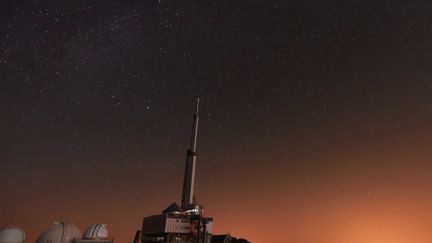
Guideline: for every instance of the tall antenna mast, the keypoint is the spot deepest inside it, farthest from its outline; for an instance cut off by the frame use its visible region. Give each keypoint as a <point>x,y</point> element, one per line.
<point>189,175</point>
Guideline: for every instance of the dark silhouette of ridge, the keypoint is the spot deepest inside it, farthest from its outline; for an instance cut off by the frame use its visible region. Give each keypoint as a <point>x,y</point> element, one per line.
<point>227,239</point>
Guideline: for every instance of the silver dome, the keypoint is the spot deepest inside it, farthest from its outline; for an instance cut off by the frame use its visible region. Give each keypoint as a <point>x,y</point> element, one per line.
<point>60,232</point>
<point>12,234</point>
<point>96,231</point>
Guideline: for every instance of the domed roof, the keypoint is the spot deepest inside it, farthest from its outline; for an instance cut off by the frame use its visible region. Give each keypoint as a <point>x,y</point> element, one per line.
<point>173,208</point>
<point>60,232</point>
<point>12,234</point>
<point>96,231</point>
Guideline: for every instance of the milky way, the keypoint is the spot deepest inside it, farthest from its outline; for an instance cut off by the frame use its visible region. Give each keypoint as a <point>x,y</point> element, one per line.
<point>314,113</point>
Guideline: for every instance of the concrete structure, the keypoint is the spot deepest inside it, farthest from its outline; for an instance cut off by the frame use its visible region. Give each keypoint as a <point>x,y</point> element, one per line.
<point>12,234</point>
<point>187,223</point>
<point>176,225</point>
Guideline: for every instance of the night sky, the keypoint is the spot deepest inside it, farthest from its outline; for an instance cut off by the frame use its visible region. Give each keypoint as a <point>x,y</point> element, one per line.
<point>316,116</point>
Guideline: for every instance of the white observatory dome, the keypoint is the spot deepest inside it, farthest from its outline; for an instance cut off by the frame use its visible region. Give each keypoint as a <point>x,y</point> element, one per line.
<point>96,231</point>
<point>12,234</point>
<point>60,232</point>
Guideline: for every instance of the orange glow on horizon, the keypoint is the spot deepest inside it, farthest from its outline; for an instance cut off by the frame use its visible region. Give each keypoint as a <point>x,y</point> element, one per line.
<point>374,196</point>
<point>346,205</point>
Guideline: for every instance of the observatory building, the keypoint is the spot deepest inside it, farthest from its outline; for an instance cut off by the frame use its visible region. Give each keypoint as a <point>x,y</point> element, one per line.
<point>60,232</point>
<point>96,233</point>
<point>185,223</point>
<point>12,234</point>
<point>68,232</point>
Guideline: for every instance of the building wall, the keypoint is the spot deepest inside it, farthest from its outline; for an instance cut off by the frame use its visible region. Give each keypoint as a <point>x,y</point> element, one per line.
<point>175,228</point>
<point>154,224</point>
<point>209,227</point>
<point>177,225</point>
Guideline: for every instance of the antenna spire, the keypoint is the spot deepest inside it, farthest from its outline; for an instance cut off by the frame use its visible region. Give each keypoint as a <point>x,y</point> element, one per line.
<point>189,176</point>
<point>194,136</point>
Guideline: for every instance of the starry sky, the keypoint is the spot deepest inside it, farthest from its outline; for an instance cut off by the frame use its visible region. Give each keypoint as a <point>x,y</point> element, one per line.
<point>315,116</point>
